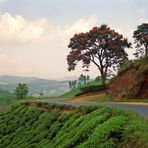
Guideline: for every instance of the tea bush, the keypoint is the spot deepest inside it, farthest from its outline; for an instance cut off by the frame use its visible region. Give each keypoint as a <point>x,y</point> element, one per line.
<point>60,126</point>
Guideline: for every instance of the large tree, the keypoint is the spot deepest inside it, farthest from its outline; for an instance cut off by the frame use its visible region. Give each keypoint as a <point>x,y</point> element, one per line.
<point>141,39</point>
<point>102,46</point>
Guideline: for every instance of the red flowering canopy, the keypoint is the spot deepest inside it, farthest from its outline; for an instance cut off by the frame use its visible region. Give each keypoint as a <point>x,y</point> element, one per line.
<point>101,45</point>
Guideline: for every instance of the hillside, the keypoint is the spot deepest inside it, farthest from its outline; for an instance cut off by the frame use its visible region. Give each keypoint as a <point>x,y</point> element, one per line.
<point>132,81</point>
<point>90,87</point>
<point>41,125</point>
<point>6,97</point>
<point>36,85</point>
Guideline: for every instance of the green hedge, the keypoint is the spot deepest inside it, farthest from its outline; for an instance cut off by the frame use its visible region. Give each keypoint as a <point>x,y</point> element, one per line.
<point>94,88</point>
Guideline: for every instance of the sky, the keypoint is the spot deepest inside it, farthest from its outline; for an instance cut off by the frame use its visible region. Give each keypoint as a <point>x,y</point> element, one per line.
<point>34,34</point>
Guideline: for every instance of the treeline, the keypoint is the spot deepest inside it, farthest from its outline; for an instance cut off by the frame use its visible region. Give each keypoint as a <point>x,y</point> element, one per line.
<point>82,80</point>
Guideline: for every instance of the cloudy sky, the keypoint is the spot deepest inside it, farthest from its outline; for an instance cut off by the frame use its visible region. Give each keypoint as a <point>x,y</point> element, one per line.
<point>34,34</point>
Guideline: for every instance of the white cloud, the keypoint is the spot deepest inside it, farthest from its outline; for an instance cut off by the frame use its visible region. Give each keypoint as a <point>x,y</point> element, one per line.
<point>142,20</point>
<point>81,25</point>
<point>36,47</point>
<point>142,14</point>
<point>17,30</point>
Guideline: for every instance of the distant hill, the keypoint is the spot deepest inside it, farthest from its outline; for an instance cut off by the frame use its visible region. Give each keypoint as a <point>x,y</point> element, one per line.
<point>36,85</point>
<point>6,79</point>
<point>4,93</point>
<point>6,97</point>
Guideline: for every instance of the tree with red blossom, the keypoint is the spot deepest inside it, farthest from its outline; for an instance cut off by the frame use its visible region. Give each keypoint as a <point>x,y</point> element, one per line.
<point>102,46</point>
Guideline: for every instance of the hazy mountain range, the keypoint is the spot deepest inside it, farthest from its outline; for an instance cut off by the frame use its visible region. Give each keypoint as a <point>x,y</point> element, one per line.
<point>36,85</point>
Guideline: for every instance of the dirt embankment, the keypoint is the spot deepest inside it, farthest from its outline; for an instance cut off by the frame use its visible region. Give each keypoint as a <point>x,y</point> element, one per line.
<point>131,83</point>
<point>3,107</point>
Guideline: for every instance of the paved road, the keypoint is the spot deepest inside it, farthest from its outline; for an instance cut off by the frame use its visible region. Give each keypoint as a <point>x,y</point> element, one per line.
<point>141,109</point>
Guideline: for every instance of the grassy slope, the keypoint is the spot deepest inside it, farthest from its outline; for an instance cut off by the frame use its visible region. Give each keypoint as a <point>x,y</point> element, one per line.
<point>44,125</point>
<point>6,97</point>
<point>77,90</point>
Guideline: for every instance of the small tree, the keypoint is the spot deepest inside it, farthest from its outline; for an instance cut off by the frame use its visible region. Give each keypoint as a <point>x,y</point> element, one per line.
<point>141,39</point>
<point>87,78</point>
<point>81,78</point>
<point>101,46</point>
<point>84,79</point>
<point>21,91</point>
<point>75,83</point>
<point>70,84</point>
<point>98,78</point>
<point>79,83</point>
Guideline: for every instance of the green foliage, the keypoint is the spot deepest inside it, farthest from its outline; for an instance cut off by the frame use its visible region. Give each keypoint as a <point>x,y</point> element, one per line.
<point>83,80</point>
<point>91,86</point>
<point>133,64</point>
<point>72,84</point>
<point>141,39</point>
<point>21,91</point>
<point>94,88</point>
<point>111,130</point>
<point>87,109</point>
<point>126,65</point>
<point>98,127</point>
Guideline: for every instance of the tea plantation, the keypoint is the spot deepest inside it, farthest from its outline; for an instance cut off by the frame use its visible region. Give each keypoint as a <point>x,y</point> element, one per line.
<point>43,125</point>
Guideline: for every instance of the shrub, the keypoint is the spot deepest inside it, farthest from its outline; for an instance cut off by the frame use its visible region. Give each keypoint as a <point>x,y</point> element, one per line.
<point>94,88</point>
<point>107,131</point>
<point>96,127</point>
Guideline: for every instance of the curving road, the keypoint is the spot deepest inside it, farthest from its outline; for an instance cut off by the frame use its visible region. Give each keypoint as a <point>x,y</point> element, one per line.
<point>142,109</point>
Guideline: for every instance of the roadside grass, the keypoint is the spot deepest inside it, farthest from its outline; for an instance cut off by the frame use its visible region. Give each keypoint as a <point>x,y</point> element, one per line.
<point>8,99</point>
<point>102,97</point>
<point>108,98</point>
<point>134,100</point>
<point>29,125</point>
<point>93,97</point>
<point>5,100</point>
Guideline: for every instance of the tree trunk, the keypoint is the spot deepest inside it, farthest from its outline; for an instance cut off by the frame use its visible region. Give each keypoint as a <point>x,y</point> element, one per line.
<point>103,78</point>
<point>146,51</point>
